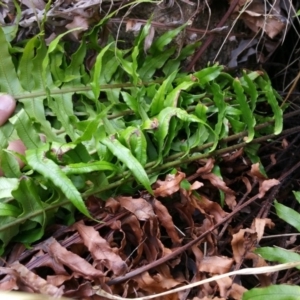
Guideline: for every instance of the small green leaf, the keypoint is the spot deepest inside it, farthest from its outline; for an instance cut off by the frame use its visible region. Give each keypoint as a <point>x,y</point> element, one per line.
<point>157,103</point>
<point>172,97</point>
<point>131,102</point>
<point>25,130</point>
<point>34,107</point>
<point>134,139</point>
<point>165,39</point>
<point>164,122</point>
<point>27,196</point>
<point>278,254</point>
<point>51,48</point>
<point>39,162</point>
<point>7,185</point>
<point>90,129</point>
<point>221,106</point>
<point>76,67</point>
<point>95,84</point>
<point>83,168</point>
<point>266,87</point>
<point>8,210</point>
<point>173,65</point>
<point>42,78</point>
<point>247,114</point>
<point>62,106</point>
<point>25,70</point>
<point>251,89</point>
<point>152,63</point>
<point>10,165</point>
<point>287,214</point>
<point>9,81</point>
<point>274,292</point>
<point>125,156</point>
<point>136,51</point>
<point>208,74</point>
<point>10,231</point>
<point>297,196</point>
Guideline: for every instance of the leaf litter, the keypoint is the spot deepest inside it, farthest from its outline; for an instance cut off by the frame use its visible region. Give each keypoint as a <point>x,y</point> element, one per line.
<point>81,260</point>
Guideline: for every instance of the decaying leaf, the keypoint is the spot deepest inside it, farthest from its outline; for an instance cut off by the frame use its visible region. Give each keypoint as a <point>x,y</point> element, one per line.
<point>206,173</point>
<point>139,207</point>
<point>166,221</point>
<point>264,183</point>
<point>158,283</point>
<point>35,282</point>
<point>242,242</point>
<point>216,264</point>
<point>100,250</point>
<point>78,22</point>
<point>170,186</point>
<point>259,225</point>
<point>78,265</point>
<point>258,16</point>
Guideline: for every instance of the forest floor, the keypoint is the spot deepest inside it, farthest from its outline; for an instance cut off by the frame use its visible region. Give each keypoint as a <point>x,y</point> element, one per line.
<point>209,217</point>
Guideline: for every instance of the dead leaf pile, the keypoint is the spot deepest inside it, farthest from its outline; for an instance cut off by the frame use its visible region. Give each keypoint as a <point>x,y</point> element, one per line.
<point>269,21</point>
<point>134,232</point>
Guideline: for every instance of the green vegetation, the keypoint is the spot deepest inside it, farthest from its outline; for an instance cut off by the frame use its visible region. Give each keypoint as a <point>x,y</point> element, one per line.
<point>132,116</point>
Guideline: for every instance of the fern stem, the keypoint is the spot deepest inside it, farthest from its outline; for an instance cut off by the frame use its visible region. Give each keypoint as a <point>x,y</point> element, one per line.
<point>82,88</point>
<point>173,163</point>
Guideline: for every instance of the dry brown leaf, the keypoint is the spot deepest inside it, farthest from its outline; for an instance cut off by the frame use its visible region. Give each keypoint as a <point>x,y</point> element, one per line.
<point>209,207</point>
<point>232,156</point>
<point>258,261</point>
<point>196,185</point>
<point>236,292</point>
<point>78,265</point>
<point>242,242</point>
<point>266,185</point>
<point>78,22</point>
<point>216,264</point>
<point>247,184</point>
<point>149,39</point>
<point>58,280</point>
<point>284,143</point>
<point>273,159</point>
<point>133,25</point>
<point>205,173</point>
<point>221,185</point>
<point>207,168</point>
<point>35,282</point>
<point>134,235</point>
<point>50,262</point>
<point>113,205</point>
<point>197,253</point>
<point>157,283</point>
<point>138,206</point>
<point>8,282</point>
<point>255,172</point>
<point>259,226</point>
<point>170,186</point>
<point>100,249</point>
<point>257,18</point>
<point>224,286</point>
<point>83,291</point>
<point>271,25</point>
<point>166,221</point>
